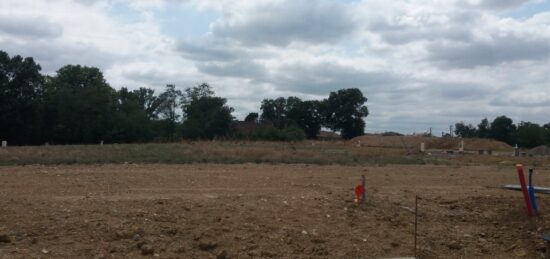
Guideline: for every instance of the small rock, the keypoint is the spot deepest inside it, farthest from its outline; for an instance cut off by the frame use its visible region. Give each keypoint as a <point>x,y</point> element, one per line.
<point>454,246</point>
<point>44,251</point>
<point>123,234</point>
<point>304,232</point>
<point>207,245</point>
<point>267,254</point>
<point>5,239</point>
<point>520,253</point>
<point>147,249</point>
<point>180,250</point>
<point>222,255</point>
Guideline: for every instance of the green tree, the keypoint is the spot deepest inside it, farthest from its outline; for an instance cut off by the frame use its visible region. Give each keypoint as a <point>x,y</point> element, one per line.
<point>274,110</point>
<point>465,131</point>
<point>206,116</point>
<point>168,103</point>
<point>252,117</point>
<point>503,129</point>
<point>307,116</point>
<point>21,86</point>
<point>530,134</point>
<point>484,129</point>
<point>79,105</point>
<point>344,111</point>
<point>134,111</point>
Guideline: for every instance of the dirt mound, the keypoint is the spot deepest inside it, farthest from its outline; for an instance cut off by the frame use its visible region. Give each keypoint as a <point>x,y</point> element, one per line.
<point>540,150</point>
<point>430,142</point>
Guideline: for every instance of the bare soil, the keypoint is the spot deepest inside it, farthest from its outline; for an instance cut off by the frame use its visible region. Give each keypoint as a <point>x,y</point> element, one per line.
<point>413,142</point>
<point>265,211</point>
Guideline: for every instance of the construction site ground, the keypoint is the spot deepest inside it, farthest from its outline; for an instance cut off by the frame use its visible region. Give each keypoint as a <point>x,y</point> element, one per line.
<point>266,211</point>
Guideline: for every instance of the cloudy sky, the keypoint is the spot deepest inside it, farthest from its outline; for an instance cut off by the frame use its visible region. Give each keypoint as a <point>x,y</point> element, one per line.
<point>421,63</point>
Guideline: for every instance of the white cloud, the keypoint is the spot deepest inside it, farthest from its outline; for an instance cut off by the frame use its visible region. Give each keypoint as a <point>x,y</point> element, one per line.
<point>421,63</point>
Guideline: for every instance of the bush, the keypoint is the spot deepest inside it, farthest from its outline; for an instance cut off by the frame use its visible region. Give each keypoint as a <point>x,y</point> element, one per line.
<point>290,133</point>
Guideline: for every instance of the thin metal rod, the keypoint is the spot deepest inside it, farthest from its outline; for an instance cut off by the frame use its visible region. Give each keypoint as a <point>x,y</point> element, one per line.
<point>364,194</point>
<point>415,223</point>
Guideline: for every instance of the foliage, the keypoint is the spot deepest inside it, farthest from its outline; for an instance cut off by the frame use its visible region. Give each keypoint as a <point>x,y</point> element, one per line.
<point>252,117</point>
<point>525,134</point>
<point>483,129</point>
<point>530,134</point>
<point>168,103</point>
<point>502,129</point>
<point>345,110</point>
<point>78,106</point>
<point>206,116</point>
<point>21,86</point>
<point>465,131</point>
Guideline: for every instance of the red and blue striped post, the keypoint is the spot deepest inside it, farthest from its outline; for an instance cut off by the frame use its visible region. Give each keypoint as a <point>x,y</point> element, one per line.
<point>521,177</point>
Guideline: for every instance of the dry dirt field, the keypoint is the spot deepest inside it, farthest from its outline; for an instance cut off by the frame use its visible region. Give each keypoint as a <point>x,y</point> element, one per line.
<point>264,211</point>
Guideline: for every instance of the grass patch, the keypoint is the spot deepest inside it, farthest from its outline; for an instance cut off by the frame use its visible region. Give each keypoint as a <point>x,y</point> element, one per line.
<point>223,152</point>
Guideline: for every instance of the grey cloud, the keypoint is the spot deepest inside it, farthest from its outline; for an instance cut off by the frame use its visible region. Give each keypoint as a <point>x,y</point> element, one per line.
<point>489,53</point>
<point>288,21</point>
<point>209,50</point>
<point>241,69</point>
<point>52,55</point>
<point>325,77</point>
<point>463,91</point>
<point>506,101</point>
<point>156,79</point>
<point>32,27</point>
<point>457,29</point>
<point>502,4</point>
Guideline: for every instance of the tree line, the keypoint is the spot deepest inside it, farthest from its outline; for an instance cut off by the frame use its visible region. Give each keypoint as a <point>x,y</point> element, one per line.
<point>502,128</point>
<point>78,106</point>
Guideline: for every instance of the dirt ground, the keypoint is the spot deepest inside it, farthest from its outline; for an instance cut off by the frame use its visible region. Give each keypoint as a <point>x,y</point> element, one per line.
<point>264,211</point>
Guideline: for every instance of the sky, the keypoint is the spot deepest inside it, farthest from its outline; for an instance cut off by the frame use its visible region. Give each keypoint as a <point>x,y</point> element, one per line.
<point>421,63</point>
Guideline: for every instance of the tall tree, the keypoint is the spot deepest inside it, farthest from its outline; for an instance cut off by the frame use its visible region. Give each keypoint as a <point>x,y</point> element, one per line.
<point>20,94</point>
<point>133,115</point>
<point>484,129</point>
<point>344,111</point>
<point>307,116</point>
<point>79,105</point>
<point>168,103</point>
<point>252,117</point>
<point>206,116</point>
<point>273,110</point>
<point>465,131</point>
<point>502,129</point>
<point>530,134</point>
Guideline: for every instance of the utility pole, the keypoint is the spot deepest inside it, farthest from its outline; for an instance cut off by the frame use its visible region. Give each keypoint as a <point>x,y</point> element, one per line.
<point>451,130</point>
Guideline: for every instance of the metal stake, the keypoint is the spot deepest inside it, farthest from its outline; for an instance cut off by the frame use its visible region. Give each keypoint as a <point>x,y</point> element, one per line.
<point>415,223</point>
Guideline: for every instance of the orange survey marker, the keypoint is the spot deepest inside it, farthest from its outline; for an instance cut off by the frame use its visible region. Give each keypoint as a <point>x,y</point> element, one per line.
<point>358,192</point>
